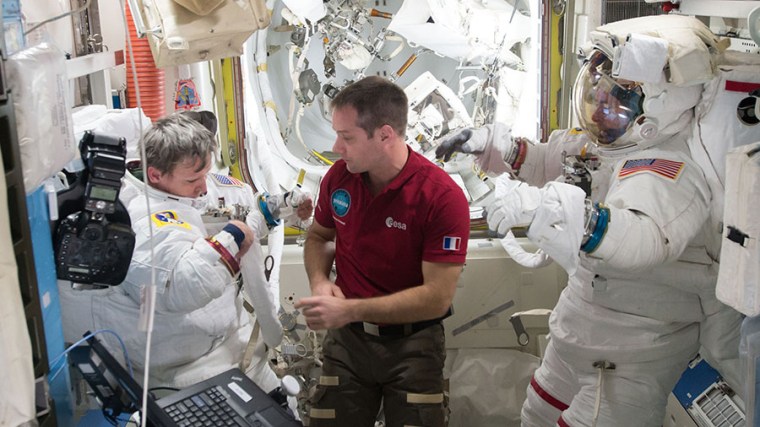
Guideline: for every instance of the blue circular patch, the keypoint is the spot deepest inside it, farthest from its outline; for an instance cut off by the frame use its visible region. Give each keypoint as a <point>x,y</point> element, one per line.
<point>341,202</point>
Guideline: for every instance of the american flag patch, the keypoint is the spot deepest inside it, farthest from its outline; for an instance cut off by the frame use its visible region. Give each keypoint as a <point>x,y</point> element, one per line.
<point>226,180</point>
<point>665,168</point>
<point>451,243</point>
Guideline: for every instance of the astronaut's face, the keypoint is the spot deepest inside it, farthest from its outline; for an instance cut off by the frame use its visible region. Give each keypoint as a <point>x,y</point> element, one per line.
<point>607,108</point>
<point>611,118</point>
<point>359,150</point>
<point>187,179</point>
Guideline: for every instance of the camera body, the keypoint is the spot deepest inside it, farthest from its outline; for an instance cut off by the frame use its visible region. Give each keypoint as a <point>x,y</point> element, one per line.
<point>92,251</point>
<point>94,244</point>
<point>105,161</point>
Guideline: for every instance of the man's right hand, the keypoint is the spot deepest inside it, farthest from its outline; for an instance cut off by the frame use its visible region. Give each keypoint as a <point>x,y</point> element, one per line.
<point>325,312</point>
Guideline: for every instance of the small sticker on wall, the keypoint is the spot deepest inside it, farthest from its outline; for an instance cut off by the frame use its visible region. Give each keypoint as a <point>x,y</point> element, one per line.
<point>186,96</point>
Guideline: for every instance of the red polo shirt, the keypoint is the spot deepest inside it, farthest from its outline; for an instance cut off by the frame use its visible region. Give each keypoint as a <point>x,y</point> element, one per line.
<point>381,241</point>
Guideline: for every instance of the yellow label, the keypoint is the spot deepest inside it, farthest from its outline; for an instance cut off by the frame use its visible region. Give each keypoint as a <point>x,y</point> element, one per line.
<point>164,218</point>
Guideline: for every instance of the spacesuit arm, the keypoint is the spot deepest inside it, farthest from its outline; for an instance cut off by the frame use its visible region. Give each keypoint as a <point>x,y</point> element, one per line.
<point>648,220</point>
<point>496,150</point>
<point>543,161</point>
<point>621,244</point>
<point>554,214</point>
<point>189,269</point>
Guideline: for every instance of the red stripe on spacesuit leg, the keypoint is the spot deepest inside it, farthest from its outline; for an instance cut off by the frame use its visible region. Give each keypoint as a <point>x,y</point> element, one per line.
<point>562,423</point>
<point>745,87</point>
<point>546,396</point>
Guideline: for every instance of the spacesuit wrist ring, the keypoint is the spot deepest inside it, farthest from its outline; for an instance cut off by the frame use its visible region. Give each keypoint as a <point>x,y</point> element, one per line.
<point>511,156</point>
<point>517,155</point>
<point>264,209</point>
<point>596,226</point>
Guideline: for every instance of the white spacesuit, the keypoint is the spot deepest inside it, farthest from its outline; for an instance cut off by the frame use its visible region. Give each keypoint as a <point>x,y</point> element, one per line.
<point>201,327</point>
<point>640,298</point>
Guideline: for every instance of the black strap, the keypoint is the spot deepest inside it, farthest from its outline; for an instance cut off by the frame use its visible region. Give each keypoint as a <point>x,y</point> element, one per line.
<point>736,236</point>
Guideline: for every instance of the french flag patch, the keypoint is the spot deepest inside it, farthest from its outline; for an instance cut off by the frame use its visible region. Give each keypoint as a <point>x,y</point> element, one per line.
<point>451,243</point>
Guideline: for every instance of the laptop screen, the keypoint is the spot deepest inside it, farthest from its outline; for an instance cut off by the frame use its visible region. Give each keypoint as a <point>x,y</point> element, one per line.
<point>117,391</point>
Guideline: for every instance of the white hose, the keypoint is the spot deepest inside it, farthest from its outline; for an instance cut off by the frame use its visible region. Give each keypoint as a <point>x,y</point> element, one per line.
<point>261,153</point>
<point>259,295</point>
<point>521,256</point>
<point>261,94</point>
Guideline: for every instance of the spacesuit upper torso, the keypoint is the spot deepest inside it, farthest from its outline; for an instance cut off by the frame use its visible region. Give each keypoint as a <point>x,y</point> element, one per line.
<point>200,326</point>
<point>661,268</point>
<point>197,303</point>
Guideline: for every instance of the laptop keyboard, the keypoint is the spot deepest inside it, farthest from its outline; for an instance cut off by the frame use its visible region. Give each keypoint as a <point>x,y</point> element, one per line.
<point>208,408</point>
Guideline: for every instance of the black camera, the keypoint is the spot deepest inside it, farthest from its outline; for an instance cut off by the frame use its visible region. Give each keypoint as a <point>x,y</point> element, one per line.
<point>95,241</point>
<point>105,161</point>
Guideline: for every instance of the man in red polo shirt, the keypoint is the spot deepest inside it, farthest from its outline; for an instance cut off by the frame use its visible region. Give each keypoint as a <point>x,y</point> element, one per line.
<point>397,227</point>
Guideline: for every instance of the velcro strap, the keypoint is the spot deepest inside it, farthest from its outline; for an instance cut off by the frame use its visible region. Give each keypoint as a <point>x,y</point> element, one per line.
<point>329,380</point>
<point>424,398</point>
<point>322,414</point>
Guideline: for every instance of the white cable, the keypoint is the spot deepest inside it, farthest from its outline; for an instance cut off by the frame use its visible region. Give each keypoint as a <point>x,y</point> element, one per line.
<point>63,15</point>
<point>144,163</point>
<point>527,259</point>
<point>398,49</point>
<point>261,94</point>
<point>598,403</point>
<point>297,127</point>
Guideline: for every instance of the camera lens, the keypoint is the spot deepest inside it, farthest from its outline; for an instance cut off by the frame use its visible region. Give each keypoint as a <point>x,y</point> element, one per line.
<point>93,233</point>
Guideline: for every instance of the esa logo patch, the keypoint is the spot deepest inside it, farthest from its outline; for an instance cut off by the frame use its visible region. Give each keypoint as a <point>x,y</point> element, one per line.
<point>341,202</point>
<point>164,218</point>
<point>392,223</point>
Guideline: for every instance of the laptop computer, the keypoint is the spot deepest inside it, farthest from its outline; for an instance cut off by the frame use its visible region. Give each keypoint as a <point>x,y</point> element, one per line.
<point>227,399</point>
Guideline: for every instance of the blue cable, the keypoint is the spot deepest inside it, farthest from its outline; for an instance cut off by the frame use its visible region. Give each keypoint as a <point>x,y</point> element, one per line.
<point>72,346</point>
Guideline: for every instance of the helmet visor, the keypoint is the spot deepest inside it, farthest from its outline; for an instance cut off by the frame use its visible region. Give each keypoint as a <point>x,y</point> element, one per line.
<point>606,108</point>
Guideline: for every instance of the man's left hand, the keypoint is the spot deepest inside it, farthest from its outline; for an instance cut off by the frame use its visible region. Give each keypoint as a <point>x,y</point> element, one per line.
<point>325,312</point>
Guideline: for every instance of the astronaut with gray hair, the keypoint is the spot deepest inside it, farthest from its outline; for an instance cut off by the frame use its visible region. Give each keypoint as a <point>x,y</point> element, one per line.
<point>642,260</point>
<point>202,324</point>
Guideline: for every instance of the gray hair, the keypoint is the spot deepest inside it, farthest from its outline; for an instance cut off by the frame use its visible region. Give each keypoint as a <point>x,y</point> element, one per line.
<point>175,139</point>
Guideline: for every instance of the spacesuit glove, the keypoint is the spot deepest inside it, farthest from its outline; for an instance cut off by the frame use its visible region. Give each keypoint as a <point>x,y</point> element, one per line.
<point>559,222</point>
<point>491,144</point>
<point>514,204</point>
<point>459,142</point>
<point>291,206</point>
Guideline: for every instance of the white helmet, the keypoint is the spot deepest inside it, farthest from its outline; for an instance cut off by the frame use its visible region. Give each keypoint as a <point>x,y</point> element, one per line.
<point>622,115</point>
